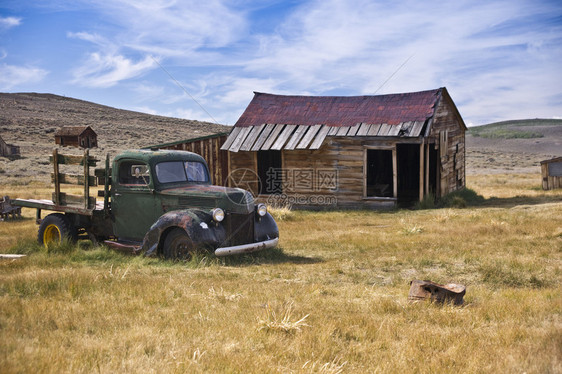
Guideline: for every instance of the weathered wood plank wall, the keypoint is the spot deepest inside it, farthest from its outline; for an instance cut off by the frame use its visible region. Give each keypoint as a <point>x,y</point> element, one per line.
<point>551,178</point>
<point>209,149</point>
<point>450,137</point>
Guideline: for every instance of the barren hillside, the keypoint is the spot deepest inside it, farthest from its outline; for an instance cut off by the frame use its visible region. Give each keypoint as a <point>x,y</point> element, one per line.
<point>513,146</point>
<point>30,120</point>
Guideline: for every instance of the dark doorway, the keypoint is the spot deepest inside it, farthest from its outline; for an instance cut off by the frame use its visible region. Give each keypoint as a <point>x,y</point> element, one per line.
<point>408,159</point>
<point>380,181</point>
<point>270,172</point>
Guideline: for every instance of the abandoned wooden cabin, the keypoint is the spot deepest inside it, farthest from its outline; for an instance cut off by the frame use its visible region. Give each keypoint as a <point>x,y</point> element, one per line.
<point>348,152</point>
<point>551,171</point>
<point>76,136</point>
<point>8,150</point>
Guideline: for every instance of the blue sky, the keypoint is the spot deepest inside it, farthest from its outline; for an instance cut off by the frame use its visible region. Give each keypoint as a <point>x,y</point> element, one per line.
<point>499,60</point>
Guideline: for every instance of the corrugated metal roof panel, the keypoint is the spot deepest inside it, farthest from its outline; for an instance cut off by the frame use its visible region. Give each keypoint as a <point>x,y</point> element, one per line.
<point>339,110</point>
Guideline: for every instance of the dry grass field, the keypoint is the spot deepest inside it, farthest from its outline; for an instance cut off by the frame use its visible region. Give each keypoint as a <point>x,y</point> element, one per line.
<point>331,299</point>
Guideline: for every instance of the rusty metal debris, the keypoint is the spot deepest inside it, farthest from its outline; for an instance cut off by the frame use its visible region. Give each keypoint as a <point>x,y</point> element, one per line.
<point>423,290</point>
<point>7,209</point>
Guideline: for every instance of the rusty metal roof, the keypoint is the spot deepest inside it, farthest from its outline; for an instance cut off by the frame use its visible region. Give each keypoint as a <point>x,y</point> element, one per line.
<point>275,122</point>
<point>338,110</point>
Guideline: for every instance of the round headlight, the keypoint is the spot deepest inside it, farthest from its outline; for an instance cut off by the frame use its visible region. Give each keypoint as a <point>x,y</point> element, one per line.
<point>262,210</point>
<point>218,214</point>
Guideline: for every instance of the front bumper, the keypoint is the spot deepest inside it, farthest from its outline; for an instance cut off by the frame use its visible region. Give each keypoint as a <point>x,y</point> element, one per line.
<point>246,248</point>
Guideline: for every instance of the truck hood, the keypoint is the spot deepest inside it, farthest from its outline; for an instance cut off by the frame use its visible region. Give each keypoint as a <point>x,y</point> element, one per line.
<point>207,197</point>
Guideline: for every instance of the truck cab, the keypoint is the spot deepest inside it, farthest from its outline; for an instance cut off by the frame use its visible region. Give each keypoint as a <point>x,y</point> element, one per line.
<point>156,194</point>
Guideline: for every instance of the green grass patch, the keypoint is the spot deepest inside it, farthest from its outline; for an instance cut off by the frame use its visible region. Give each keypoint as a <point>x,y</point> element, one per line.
<point>506,134</point>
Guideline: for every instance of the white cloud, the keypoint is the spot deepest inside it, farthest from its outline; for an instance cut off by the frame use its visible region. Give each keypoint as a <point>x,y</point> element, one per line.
<point>9,22</point>
<point>169,28</point>
<point>108,70</point>
<point>92,38</point>
<point>491,55</point>
<point>12,76</point>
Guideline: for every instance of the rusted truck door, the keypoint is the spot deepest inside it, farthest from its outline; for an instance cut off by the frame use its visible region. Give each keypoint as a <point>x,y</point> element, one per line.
<point>133,200</point>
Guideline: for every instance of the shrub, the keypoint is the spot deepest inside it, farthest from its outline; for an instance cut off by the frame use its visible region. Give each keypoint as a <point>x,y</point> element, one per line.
<point>428,202</point>
<point>460,199</point>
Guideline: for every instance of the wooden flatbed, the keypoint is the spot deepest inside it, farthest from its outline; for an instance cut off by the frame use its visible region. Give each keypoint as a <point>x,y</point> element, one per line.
<point>49,205</point>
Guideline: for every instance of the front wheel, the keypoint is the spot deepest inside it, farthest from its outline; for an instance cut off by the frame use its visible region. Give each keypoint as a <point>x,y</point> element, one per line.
<point>54,228</point>
<point>178,245</point>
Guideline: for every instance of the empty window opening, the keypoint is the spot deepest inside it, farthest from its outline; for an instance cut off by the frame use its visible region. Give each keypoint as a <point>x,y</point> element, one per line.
<point>380,182</point>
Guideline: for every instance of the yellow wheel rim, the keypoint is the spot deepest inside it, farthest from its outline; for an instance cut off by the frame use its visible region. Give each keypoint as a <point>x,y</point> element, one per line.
<point>51,235</point>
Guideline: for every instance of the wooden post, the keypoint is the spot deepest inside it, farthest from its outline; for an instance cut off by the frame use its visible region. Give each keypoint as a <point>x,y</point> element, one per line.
<point>86,178</point>
<point>106,187</point>
<point>56,171</point>
<point>427,168</point>
<point>394,173</point>
<point>421,170</point>
<point>365,166</point>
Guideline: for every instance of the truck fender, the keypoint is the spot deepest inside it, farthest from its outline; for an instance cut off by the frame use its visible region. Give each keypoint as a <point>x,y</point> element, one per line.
<point>265,228</point>
<point>198,224</point>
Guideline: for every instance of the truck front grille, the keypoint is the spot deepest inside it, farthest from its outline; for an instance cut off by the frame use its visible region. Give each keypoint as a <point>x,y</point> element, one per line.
<point>240,228</point>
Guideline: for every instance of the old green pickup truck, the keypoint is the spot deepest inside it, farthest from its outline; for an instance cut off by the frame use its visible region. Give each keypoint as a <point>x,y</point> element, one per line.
<point>155,202</point>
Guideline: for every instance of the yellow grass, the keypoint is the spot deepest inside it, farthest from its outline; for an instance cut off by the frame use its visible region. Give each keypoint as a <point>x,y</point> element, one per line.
<point>333,299</point>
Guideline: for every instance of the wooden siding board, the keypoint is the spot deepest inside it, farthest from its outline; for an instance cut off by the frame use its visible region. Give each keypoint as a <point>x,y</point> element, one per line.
<point>342,131</point>
<point>282,139</point>
<point>317,143</point>
<point>416,129</point>
<point>383,131</point>
<point>263,137</point>
<point>394,130</point>
<point>272,137</point>
<point>353,130</point>
<point>363,129</point>
<point>297,136</point>
<point>231,137</point>
<point>373,130</point>
<point>333,131</point>
<point>235,147</point>
<point>309,136</point>
<point>251,138</point>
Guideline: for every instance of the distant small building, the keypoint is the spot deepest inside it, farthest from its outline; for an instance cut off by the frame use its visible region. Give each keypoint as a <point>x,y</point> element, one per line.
<point>551,173</point>
<point>7,150</point>
<point>76,136</point>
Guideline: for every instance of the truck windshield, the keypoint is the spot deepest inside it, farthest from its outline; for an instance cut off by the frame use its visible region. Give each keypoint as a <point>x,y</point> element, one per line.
<point>181,171</point>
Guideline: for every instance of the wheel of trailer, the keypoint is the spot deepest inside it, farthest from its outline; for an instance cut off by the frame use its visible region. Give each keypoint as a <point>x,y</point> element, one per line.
<point>178,245</point>
<point>54,228</point>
